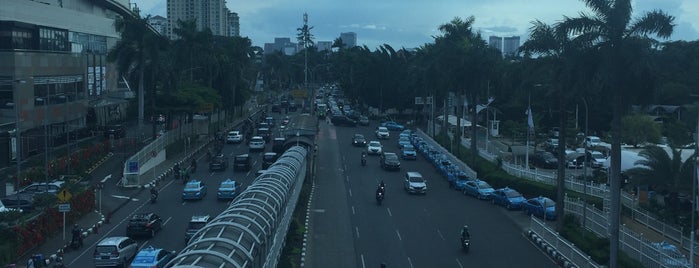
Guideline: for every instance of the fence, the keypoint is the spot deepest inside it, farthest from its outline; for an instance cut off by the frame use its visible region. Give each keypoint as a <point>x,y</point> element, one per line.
<point>567,249</point>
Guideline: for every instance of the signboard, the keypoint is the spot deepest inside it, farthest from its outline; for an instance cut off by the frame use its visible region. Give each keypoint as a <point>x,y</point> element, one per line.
<point>299,93</point>
<point>429,100</point>
<point>63,207</point>
<point>64,196</point>
<point>419,101</point>
<point>132,166</point>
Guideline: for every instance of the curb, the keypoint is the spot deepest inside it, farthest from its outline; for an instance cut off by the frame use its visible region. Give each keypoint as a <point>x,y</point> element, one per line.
<point>306,224</point>
<point>94,229</point>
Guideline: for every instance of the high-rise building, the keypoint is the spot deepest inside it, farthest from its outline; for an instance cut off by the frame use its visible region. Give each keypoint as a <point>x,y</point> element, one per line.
<point>211,14</point>
<point>496,42</point>
<point>233,24</point>
<point>159,24</point>
<point>349,39</point>
<point>324,45</point>
<point>510,46</point>
<point>282,44</point>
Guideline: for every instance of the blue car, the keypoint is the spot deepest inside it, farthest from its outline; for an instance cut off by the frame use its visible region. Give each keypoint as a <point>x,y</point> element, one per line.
<point>509,198</point>
<point>194,190</point>
<point>152,257</point>
<point>409,152</point>
<point>228,190</point>
<point>542,207</point>
<point>460,180</point>
<point>403,142</point>
<point>392,125</point>
<point>479,189</point>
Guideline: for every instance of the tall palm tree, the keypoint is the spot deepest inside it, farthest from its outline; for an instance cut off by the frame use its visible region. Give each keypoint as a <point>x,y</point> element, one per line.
<point>611,28</point>
<point>136,48</point>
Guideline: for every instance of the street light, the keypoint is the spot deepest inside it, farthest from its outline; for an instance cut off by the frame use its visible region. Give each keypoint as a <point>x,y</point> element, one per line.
<point>585,168</point>
<point>18,129</point>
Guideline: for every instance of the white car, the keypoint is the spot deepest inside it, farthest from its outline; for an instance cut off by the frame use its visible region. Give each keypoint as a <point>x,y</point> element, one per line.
<point>414,183</point>
<point>382,133</point>
<point>596,159</point>
<point>234,137</point>
<point>374,147</point>
<point>591,141</point>
<point>6,209</point>
<point>257,143</point>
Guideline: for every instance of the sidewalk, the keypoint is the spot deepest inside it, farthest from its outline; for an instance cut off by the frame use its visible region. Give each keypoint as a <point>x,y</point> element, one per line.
<point>92,222</point>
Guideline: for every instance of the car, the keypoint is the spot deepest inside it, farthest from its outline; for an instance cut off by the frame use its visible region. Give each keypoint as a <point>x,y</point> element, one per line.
<point>8,208</point>
<point>270,121</point>
<point>218,163</point>
<point>392,125</point>
<point>114,251</point>
<point>669,255</point>
<point>414,183</point>
<point>286,120</point>
<point>194,190</point>
<point>389,161</point>
<point>234,137</point>
<point>256,143</point>
<point>278,145</point>
<point>152,257</point>
<point>363,120</point>
<point>408,152</point>
<point>596,159</point>
<point>479,189</point>
<point>341,120</point>
<point>265,133</point>
<point>228,190</point>
<point>358,140</point>
<point>402,142</point>
<point>115,131</point>
<point>374,147</point>
<point>555,132</point>
<point>382,133</point>
<point>592,141</point>
<point>144,224</point>
<point>17,202</point>
<point>542,207</point>
<point>544,159</point>
<point>508,197</point>
<point>242,162</point>
<point>552,143</point>
<point>195,224</point>
<point>42,188</point>
<point>268,159</point>
<point>575,160</point>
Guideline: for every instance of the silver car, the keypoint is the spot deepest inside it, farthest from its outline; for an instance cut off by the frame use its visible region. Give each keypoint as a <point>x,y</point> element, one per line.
<point>257,143</point>
<point>115,251</point>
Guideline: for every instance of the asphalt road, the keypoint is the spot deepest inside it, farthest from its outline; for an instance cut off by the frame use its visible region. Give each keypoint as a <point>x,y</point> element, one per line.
<point>169,206</point>
<point>407,230</point>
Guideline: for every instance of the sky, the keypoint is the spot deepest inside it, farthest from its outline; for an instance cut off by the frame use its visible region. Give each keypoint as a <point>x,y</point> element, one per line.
<point>413,23</point>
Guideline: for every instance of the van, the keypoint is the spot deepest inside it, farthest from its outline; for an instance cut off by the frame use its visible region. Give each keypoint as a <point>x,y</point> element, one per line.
<point>115,251</point>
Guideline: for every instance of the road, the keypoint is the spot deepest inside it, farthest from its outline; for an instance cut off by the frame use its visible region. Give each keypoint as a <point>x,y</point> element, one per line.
<point>407,230</point>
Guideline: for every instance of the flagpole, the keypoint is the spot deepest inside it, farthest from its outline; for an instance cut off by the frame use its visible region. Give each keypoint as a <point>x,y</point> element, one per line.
<point>529,115</point>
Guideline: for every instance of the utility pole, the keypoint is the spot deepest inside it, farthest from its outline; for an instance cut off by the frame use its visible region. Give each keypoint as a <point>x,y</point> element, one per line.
<point>305,50</point>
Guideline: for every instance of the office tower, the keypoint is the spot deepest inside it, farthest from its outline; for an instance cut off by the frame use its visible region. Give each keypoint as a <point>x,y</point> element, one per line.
<point>159,23</point>
<point>233,24</point>
<point>496,42</point>
<point>211,14</point>
<point>510,46</point>
<point>324,45</point>
<point>349,39</point>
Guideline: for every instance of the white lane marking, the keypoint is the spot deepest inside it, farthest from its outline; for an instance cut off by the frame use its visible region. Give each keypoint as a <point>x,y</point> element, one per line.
<point>363,265</point>
<point>121,197</point>
<point>398,233</point>
<point>459,263</point>
<point>440,234</point>
<point>410,262</point>
<point>142,246</point>
<point>389,212</point>
<point>350,192</point>
<point>166,221</point>
<point>106,178</point>
<point>254,163</point>
<point>353,210</point>
<point>248,174</point>
<point>356,229</point>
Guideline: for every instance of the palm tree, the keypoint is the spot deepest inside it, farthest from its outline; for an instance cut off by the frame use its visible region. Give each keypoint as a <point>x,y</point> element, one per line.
<point>668,173</point>
<point>611,29</point>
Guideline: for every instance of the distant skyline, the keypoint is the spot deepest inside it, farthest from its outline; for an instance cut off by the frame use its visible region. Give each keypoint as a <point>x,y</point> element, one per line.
<point>412,23</point>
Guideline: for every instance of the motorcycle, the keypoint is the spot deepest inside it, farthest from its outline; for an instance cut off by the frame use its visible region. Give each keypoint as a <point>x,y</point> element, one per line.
<point>77,241</point>
<point>379,198</point>
<point>153,197</point>
<point>363,161</point>
<point>193,167</point>
<point>465,244</point>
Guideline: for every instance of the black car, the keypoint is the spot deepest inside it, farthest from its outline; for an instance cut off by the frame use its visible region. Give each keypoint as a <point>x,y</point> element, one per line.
<point>265,133</point>
<point>544,159</point>
<point>278,145</point>
<point>116,131</point>
<point>241,162</point>
<point>144,224</point>
<point>389,161</point>
<point>218,163</point>
<point>268,159</point>
<point>363,120</point>
<point>359,140</point>
<point>341,120</point>
<point>19,201</point>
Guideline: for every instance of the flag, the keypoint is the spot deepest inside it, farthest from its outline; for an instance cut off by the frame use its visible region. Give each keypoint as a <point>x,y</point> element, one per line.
<point>530,119</point>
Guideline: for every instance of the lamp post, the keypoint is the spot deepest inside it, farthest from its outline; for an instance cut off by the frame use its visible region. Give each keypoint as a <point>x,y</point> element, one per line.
<point>18,132</point>
<point>584,216</point>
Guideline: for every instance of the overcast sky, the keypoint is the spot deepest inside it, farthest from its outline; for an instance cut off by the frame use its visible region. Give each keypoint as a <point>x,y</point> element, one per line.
<point>412,23</point>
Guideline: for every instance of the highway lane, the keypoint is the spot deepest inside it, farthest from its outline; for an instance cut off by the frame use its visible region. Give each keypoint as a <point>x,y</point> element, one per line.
<point>171,208</point>
<point>423,230</point>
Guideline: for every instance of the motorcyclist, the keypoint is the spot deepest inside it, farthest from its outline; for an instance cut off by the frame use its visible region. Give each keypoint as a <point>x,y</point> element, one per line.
<point>194,164</point>
<point>363,158</point>
<point>154,191</point>
<point>77,236</point>
<point>465,235</point>
<point>382,187</point>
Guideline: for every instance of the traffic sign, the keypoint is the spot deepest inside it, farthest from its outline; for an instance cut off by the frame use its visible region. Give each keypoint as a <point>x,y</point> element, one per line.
<point>133,166</point>
<point>63,207</point>
<point>64,196</point>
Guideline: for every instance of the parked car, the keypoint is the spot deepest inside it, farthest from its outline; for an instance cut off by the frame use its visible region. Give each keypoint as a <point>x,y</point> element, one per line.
<point>195,224</point>
<point>575,160</point>
<point>234,137</point>
<point>358,140</point>
<point>18,202</point>
<point>278,145</point>
<point>194,190</point>
<point>542,207</point>
<point>596,159</point>
<point>543,159</point>
<point>414,183</point>
<point>408,152</point>
<point>669,255</point>
<point>391,125</point>
<point>242,162</point>
<point>218,163</point>
<point>341,120</point>
<point>363,120</point>
<point>144,224</point>
<point>508,197</point>
<point>228,190</point>
<point>374,147</point>
<point>114,251</point>
<point>257,143</point>
<point>479,189</point>
<point>151,257</point>
<point>268,159</point>
<point>42,188</point>
<point>552,143</point>
<point>4,208</point>
<point>389,161</point>
<point>382,133</point>
<point>592,141</point>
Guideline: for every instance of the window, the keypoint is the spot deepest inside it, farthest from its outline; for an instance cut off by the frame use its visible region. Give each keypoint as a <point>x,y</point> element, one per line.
<point>52,39</point>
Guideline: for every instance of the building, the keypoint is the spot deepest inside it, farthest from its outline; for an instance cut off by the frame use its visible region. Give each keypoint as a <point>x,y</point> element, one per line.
<point>496,42</point>
<point>55,80</point>
<point>159,24</point>
<point>510,46</point>
<point>282,44</point>
<point>233,24</point>
<point>324,45</point>
<point>211,14</point>
<point>349,39</point>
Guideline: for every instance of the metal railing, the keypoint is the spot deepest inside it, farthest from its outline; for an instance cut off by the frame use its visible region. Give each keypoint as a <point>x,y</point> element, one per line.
<point>565,248</point>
